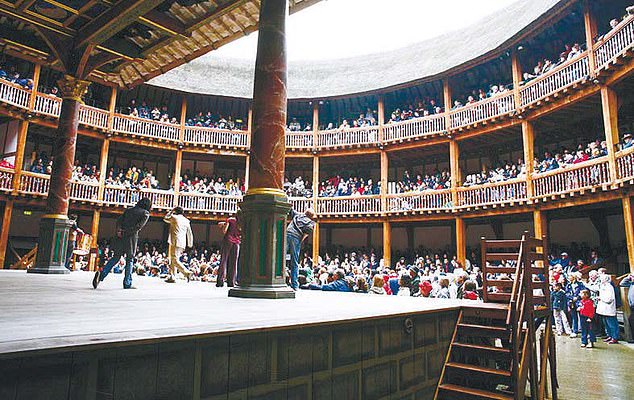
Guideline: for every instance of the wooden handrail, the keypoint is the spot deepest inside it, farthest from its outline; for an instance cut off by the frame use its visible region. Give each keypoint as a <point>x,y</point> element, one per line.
<point>553,71</point>
<point>491,184</point>
<point>570,167</point>
<point>613,32</point>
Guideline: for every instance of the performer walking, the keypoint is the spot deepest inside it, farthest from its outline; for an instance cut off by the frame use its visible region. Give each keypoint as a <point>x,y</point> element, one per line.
<point>298,229</point>
<point>229,252</point>
<point>128,226</point>
<point>180,237</point>
<point>72,240</point>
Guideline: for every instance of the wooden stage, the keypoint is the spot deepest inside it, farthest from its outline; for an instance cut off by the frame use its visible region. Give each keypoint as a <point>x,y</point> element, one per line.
<point>44,312</point>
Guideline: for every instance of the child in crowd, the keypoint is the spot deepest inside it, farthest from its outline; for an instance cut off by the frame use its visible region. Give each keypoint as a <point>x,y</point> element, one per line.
<point>443,293</point>
<point>586,315</point>
<point>558,301</point>
<point>377,285</point>
<point>470,292</point>
<point>404,285</point>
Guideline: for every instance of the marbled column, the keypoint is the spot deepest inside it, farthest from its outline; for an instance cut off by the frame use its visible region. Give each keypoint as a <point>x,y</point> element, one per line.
<point>54,225</point>
<point>265,205</point>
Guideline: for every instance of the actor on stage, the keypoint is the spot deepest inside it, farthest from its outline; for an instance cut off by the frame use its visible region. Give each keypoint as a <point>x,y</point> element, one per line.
<point>128,226</point>
<point>298,229</point>
<point>72,240</point>
<point>180,237</point>
<point>229,252</point>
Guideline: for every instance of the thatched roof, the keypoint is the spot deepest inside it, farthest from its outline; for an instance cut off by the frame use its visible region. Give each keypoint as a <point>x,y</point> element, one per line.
<point>212,75</point>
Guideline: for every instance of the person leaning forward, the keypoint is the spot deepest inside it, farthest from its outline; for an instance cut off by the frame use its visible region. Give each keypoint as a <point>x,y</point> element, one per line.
<point>298,229</point>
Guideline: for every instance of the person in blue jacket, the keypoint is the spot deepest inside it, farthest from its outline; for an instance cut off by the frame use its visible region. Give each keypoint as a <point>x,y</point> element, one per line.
<point>339,284</point>
<point>573,295</point>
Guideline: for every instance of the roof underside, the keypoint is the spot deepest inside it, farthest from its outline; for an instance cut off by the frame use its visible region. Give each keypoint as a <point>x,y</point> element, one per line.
<point>212,75</point>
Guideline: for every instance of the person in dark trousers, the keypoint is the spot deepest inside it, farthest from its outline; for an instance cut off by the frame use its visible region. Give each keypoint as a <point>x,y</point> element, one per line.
<point>230,250</point>
<point>72,240</point>
<point>128,226</point>
<point>298,229</point>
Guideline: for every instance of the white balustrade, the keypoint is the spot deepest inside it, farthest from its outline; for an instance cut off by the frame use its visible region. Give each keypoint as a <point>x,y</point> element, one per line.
<point>571,178</point>
<point>299,140</point>
<point>349,205</point>
<point>161,199</point>
<point>14,94</point>
<point>553,81</point>
<point>146,127</point>
<point>301,204</point>
<point>413,128</point>
<point>427,200</point>
<point>84,191</point>
<point>492,193</point>
<point>209,202</point>
<point>625,163</point>
<point>118,195</point>
<point>615,43</point>
<point>47,105</point>
<point>216,137</point>
<point>496,106</point>
<point>6,179</point>
<point>348,137</point>
<point>35,184</point>
<point>95,117</point>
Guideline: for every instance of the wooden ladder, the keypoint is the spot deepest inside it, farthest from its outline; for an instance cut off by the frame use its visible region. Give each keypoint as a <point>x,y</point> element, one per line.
<point>493,351</point>
<point>27,261</point>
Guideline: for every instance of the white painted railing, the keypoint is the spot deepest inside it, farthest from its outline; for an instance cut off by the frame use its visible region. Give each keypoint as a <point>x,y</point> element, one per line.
<point>161,199</point>
<point>92,116</point>
<point>299,140</point>
<point>6,179</point>
<point>571,178</point>
<point>427,200</point>
<point>348,137</point>
<point>217,137</point>
<point>47,105</point>
<point>625,163</point>
<point>84,191</point>
<point>14,94</point>
<point>146,127</point>
<point>559,78</point>
<point>118,195</point>
<point>413,128</point>
<point>349,205</point>
<point>301,204</point>
<point>483,110</point>
<point>209,202</point>
<point>492,193</point>
<point>615,43</point>
<point>35,184</point>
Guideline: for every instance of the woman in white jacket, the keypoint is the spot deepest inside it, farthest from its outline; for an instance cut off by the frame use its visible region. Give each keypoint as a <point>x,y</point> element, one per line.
<point>606,307</point>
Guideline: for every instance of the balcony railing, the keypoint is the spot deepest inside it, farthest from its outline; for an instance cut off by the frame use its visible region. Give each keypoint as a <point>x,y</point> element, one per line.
<point>615,43</point>
<point>6,179</point>
<point>625,164</point>
<point>34,184</point>
<point>84,191</point>
<point>301,204</point>
<point>348,137</point>
<point>47,105</point>
<point>218,137</point>
<point>428,200</point>
<point>146,127</point>
<point>94,117</point>
<point>14,95</point>
<point>122,196</point>
<point>561,77</point>
<point>349,205</point>
<point>414,128</point>
<point>209,203</point>
<point>497,106</point>
<point>299,140</point>
<point>492,193</point>
<point>572,178</point>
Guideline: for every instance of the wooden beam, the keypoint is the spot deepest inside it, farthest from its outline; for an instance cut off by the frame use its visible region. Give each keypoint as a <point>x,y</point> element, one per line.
<point>609,103</point>
<point>103,165</point>
<point>590,25</point>
<point>454,166</point>
<point>4,233</point>
<point>384,179</point>
<point>540,226</point>
<point>23,129</point>
<point>528,142</point>
<point>629,230</point>
<point>33,19</point>
<point>37,69</point>
<point>387,244</point>
<point>247,163</point>
<point>165,23</point>
<point>120,16</point>
<point>517,77</point>
<point>315,180</point>
<point>381,117</point>
<point>461,241</point>
<point>177,171</point>
<point>315,254</point>
<point>94,229</point>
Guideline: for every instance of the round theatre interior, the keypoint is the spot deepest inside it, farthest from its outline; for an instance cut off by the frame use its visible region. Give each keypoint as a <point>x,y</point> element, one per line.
<point>518,126</point>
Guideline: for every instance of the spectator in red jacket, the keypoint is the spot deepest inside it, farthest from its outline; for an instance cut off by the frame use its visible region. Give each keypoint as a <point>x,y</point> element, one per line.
<point>586,314</point>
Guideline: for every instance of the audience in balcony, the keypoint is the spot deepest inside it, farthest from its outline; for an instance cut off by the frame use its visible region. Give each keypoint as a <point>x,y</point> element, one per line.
<point>296,126</point>
<point>12,75</point>
<point>145,111</point>
<point>545,65</point>
<point>363,120</point>
<point>198,184</point>
<point>627,141</point>
<point>480,94</point>
<point>565,157</point>
<point>85,172</point>
<point>351,186</point>
<point>438,180</point>
<point>131,178</point>
<point>298,187</point>
<point>423,109</point>
<point>503,172</point>
<point>208,120</point>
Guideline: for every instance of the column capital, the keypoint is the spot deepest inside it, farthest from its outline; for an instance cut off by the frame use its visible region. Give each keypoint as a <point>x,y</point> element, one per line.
<point>72,88</point>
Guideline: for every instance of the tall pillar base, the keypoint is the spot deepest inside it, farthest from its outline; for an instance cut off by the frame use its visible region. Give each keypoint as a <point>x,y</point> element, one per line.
<point>263,251</point>
<point>52,245</point>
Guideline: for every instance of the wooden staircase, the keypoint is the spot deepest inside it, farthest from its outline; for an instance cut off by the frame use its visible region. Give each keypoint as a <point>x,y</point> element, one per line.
<point>494,351</point>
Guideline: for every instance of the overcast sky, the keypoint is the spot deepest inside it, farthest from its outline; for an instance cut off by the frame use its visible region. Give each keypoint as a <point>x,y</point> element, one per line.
<point>334,29</point>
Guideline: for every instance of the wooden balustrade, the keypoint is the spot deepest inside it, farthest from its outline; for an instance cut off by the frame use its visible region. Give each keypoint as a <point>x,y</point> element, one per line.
<point>6,179</point>
<point>348,137</point>
<point>14,95</point>
<point>146,127</point>
<point>299,140</point>
<point>122,196</point>
<point>615,43</point>
<point>414,128</point>
<point>94,117</point>
<point>625,164</point>
<point>349,205</point>
<point>509,191</point>
<point>428,200</point>
<point>561,77</point>
<point>84,191</point>
<point>301,204</point>
<point>47,105</point>
<point>209,202</point>
<point>571,178</point>
<point>218,137</point>
<point>34,184</point>
<point>496,106</point>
